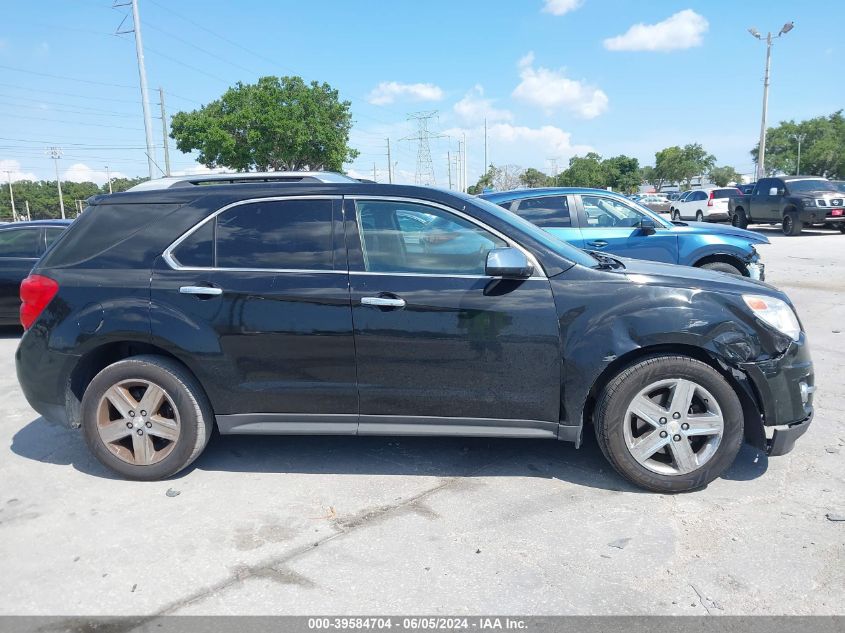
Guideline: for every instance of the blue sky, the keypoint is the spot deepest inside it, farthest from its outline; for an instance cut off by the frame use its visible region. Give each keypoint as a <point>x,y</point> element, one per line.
<point>553,77</point>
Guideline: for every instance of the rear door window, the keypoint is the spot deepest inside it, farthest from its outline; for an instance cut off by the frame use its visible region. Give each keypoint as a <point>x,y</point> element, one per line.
<point>545,211</point>
<point>19,243</point>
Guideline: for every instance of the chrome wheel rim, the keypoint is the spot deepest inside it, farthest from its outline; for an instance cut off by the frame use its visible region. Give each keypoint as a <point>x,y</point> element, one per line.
<point>138,422</point>
<point>673,427</point>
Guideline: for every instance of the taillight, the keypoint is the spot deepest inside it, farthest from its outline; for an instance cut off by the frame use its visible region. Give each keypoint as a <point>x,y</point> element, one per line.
<point>37,292</point>
<point>710,199</point>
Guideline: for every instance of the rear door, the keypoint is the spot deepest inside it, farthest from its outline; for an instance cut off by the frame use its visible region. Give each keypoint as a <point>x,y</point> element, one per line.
<point>259,296</point>
<point>610,224</point>
<point>19,250</point>
<point>441,347</point>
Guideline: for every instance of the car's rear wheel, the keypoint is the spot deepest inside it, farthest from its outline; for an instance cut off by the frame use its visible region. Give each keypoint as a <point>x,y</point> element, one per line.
<point>842,228</point>
<point>791,224</point>
<point>699,216</point>
<point>723,267</point>
<point>739,219</point>
<point>669,423</point>
<point>146,417</point>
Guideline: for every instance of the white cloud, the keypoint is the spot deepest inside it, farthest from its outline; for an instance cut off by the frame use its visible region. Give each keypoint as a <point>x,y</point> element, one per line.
<point>560,7</point>
<point>474,108</point>
<point>522,145</point>
<point>15,172</point>
<point>389,91</point>
<point>551,90</point>
<point>682,30</point>
<point>80,172</point>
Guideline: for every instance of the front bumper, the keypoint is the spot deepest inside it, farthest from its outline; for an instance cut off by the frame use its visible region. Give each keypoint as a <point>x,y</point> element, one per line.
<point>785,386</point>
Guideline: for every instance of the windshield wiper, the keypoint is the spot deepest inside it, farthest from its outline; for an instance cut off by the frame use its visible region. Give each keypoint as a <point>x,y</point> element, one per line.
<point>606,262</point>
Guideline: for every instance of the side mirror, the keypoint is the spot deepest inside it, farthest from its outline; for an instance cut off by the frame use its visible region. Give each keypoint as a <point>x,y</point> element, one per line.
<point>508,262</point>
<point>648,226</point>
<point>773,191</point>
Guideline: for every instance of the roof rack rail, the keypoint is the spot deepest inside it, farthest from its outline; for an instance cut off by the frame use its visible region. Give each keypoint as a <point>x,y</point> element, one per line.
<point>173,182</point>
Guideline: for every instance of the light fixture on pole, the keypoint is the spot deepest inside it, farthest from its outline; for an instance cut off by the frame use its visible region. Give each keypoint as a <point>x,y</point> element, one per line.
<point>56,153</point>
<point>800,139</point>
<point>761,153</point>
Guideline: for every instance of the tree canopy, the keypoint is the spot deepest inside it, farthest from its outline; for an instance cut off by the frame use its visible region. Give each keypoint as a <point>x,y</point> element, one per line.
<point>43,196</point>
<point>681,164</point>
<point>722,176</point>
<point>277,124</point>
<point>821,148</point>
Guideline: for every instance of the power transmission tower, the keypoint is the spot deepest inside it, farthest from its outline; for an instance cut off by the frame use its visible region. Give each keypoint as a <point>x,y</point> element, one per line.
<point>553,162</point>
<point>142,73</point>
<point>424,174</point>
<point>56,153</point>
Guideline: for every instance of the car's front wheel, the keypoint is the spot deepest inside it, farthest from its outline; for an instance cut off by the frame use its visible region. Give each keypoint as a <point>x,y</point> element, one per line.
<point>791,224</point>
<point>676,216</point>
<point>669,423</point>
<point>699,216</point>
<point>146,417</point>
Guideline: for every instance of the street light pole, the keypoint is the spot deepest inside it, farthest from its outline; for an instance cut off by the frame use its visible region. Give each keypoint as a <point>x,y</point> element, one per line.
<point>800,138</point>
<point>56,153</point>
<point>12,197</point>
<point>761,152</point>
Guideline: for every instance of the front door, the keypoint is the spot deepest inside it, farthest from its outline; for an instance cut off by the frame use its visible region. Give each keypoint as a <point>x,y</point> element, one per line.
<point>440,346</point>
<point>259,296</point>
<point>610,225</point>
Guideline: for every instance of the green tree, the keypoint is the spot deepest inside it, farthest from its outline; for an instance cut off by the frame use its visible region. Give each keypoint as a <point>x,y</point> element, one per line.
<point>724,175</point>
<point>647,174</point>
<point>821,148</point>
<point>122,184</point>
<point>681,164</point>
<point>622,173</point>
<point>583,171</point>
<point>533,178</point>
<point>279,123</point>
<point>484,182</point>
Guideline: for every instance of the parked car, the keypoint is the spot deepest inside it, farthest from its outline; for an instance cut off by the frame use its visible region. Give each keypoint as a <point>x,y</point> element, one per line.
<point>276,308</point>
<point>600,220</point>
<point>705,205</point>
<point>792,202</point>
<point>674,195</point>
<point>658,203</point>
<point>21,244</point>
<point>681,197</point>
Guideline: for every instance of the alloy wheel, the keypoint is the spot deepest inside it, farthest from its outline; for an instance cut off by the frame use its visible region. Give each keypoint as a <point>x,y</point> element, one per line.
<point>673,427</point>
<point>138,422</point>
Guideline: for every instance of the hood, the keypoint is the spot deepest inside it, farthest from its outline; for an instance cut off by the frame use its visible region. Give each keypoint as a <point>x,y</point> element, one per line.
<point>655,273</point>
<point>707,228</point>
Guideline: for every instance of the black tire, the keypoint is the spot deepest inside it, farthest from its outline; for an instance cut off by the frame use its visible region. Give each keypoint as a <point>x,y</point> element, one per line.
<point>676,216</point>
<point>723,267</point>
<point>842,228</point>
<point>791,225</point>
<point>699,216</point>
<point>739,219</point>
<point>193,411</point>
<point>613,402</point>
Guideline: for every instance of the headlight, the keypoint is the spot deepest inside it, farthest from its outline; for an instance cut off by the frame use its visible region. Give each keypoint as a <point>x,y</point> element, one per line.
<point>809,202</point>
<point>776,313</point>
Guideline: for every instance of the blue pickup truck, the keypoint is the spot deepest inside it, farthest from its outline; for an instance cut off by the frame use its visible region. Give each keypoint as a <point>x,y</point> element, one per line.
<point>599,220</point>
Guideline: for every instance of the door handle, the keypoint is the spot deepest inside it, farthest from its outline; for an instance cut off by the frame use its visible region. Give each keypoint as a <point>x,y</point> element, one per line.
<point>597,243</point>
<point>201,290</point>
<point>383,302</point>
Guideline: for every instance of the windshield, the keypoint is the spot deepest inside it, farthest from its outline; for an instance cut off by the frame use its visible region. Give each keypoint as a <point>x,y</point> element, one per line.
<point>548,240</point>
<point>811,184</point>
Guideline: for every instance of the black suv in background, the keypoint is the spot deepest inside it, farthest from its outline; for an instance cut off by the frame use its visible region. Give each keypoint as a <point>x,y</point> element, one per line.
<point>792,202</point>
<point>21,244</point>
<point>351,308</point>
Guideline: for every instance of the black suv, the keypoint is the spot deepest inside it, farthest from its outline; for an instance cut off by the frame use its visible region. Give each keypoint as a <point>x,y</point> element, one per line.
<point>353,308</point>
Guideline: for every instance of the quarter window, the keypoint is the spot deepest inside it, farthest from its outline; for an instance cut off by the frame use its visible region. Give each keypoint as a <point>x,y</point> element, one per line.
<point>276,234</point>
<point>546,211</point>
<point>19,243</point>
<point>52,235</point>
<point>400,237</point>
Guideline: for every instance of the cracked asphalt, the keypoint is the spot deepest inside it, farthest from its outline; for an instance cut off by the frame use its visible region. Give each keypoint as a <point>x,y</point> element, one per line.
<point>338,525</point>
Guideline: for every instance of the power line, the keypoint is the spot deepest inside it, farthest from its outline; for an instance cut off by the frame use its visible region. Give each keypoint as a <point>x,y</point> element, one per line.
<point>82,123</point>
<point>74,80</point>
<point>68,94</point>
<point>52,108</point>
<point>199,48</point>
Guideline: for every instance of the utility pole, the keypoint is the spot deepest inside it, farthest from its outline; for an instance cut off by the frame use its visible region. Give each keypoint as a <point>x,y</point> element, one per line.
<point>56,153</point>
<point>448,164</point>
<point>374,173</point>
<point>108,175</point>
<point>28,216</point>
<point>142,74</point>
<point>12,197</point>
<point>761,152</point>
<point>797,137</point>
<point>464,164</point>
<point>459,165</point>
<point>485,145</point>
<point>164,130</point>
<point>389,164</point>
